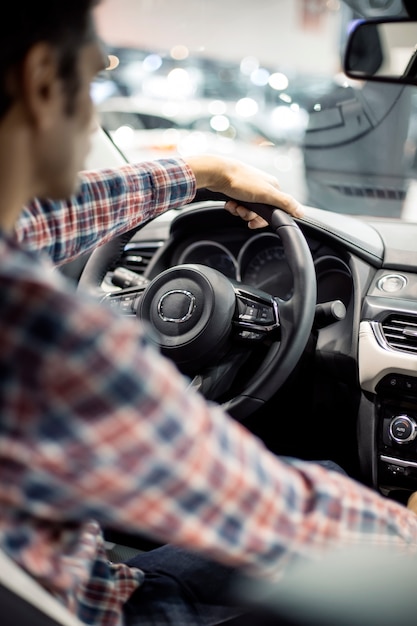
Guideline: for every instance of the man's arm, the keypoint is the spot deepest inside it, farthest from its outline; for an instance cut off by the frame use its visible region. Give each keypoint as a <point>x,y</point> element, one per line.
<point>110,202</point>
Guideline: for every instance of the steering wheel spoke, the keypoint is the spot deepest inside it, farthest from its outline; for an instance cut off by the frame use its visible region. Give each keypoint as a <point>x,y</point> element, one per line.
<point>256,315</point>
<point>215,381</point>
<point>125,301</point>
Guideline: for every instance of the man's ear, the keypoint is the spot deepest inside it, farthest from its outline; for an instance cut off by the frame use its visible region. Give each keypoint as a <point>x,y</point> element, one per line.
<point>40,85</point>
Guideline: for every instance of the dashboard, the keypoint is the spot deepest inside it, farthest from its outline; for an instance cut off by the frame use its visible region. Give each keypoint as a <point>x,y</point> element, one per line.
<point>211,236</point>
<point>359,390</point>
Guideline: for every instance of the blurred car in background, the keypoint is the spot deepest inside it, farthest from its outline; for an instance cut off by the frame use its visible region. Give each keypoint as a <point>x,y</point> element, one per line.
<point>294,113</point>
<point>146,128</point>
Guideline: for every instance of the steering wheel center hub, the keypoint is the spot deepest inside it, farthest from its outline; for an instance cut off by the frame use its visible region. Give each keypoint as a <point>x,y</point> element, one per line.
<point>176,306</point>
<point>190,309</point>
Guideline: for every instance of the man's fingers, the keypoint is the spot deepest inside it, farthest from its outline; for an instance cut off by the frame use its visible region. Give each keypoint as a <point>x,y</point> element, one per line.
<point>256,221</point>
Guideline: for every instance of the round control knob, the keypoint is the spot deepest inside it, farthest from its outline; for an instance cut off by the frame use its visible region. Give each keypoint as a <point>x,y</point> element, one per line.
<point>403,429</point>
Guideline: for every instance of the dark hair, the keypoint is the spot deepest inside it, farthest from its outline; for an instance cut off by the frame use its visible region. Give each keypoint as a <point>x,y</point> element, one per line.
<point>65,24</point>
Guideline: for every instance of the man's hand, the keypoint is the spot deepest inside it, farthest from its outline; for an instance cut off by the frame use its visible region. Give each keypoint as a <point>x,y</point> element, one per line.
<point>242,183</point>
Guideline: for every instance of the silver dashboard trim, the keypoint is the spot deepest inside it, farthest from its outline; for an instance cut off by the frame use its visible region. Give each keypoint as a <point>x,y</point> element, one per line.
<point>395,461</point>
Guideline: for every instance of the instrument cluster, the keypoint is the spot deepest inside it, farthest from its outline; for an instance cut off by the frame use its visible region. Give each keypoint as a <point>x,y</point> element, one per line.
<point>260,262</point>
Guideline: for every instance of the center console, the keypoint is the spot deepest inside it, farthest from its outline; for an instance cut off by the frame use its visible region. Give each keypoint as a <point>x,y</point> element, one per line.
<point>396,408</point>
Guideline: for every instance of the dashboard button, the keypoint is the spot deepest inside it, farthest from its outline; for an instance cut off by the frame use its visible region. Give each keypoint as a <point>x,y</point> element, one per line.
<point>391,283</point>
<point>403,429</point>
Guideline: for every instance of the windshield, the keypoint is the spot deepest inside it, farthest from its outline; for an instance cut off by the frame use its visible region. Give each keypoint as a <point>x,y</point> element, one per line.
<point>261,81</point>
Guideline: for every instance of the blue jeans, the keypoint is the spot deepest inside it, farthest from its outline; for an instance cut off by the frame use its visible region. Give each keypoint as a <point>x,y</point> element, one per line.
<point>182,588</point>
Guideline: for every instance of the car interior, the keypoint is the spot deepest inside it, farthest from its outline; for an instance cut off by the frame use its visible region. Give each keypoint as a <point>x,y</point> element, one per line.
<point>308,337</point>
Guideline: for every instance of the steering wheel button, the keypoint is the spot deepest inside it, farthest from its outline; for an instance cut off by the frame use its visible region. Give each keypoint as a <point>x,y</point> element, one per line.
<point>266,314</point>
<point>247,312</point>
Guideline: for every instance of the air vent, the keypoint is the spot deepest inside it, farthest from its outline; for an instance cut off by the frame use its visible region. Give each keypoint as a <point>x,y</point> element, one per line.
<point>378,193</point>
<point>137,256</point>
<point>400,332</point>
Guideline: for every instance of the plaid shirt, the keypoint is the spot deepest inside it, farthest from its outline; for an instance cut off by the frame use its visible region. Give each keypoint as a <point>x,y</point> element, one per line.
<point>98,429</point>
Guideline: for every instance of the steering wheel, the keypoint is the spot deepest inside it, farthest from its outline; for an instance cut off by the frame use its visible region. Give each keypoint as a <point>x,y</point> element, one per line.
<point>208,324</point>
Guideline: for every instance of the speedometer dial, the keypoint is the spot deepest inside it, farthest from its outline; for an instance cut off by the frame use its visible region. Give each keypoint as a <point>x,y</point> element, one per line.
<point>263,264</point>
<point>212,254</point>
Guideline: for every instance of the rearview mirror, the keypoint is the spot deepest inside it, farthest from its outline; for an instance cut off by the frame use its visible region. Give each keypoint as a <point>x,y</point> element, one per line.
<point>383,50</point>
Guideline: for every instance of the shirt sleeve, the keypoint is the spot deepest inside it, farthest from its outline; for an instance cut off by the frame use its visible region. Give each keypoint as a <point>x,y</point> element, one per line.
<point>118,436</point>
<point>108,203</point>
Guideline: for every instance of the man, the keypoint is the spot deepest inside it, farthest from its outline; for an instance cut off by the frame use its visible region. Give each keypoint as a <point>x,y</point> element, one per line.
<point>96,427</point>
